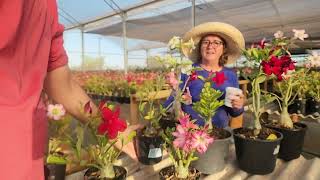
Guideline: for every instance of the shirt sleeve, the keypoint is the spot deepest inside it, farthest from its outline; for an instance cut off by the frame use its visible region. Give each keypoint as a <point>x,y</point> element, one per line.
<point>58,56</point>
<point>235,83</point>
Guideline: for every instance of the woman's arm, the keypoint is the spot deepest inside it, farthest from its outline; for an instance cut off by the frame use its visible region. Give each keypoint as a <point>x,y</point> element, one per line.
<point>62,89</point>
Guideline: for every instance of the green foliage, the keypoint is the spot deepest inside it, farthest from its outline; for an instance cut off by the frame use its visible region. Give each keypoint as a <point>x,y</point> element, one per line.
<point>209,102</point>
<point>314,85</point>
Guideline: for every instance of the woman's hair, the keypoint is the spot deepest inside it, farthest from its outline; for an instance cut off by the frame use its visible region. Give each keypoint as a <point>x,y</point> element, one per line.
<point>223,58</point>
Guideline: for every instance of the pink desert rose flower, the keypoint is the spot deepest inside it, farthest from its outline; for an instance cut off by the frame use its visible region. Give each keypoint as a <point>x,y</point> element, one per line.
<point>186,123</point>
<point>201,140</point>
<point>56,111</point>
<point>182,138</point>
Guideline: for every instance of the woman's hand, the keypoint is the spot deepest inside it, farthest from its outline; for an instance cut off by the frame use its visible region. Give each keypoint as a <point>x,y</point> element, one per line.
<point>238,103</point>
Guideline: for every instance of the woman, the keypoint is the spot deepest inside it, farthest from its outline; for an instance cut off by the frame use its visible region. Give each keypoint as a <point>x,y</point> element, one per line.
<point>216,44</point>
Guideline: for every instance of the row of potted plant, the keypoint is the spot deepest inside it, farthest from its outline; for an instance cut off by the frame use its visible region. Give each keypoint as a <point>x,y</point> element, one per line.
<point>204,149</point>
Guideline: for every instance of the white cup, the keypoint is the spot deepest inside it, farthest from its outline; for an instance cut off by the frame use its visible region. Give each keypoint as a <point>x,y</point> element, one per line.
<point>232,93</point>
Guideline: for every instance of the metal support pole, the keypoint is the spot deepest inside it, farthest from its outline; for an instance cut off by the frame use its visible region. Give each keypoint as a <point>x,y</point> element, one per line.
<point>82,49</point>
<point>148,56</point>
<point>193,13</point>
<point>124,36</point>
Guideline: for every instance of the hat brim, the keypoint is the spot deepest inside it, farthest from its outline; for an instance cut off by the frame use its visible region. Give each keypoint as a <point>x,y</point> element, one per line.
<point>232,36</point>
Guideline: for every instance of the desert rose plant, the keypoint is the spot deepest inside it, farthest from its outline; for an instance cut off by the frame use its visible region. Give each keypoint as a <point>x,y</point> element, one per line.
<point>274,60</point>
<point>104,128</point>
<point>183,142</point>
<point>58,128</point>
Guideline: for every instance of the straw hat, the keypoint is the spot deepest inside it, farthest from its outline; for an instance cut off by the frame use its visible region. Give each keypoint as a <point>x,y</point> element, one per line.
<point>232,36</point>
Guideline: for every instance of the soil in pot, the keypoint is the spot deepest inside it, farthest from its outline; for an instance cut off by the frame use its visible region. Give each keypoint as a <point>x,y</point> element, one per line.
<point>169,173</point>
<point>55,171</point>
<point>293,139</point>
<point>256,154</point>
<point>148,148</point>
<point>168,121</point>
<point>93,174</point>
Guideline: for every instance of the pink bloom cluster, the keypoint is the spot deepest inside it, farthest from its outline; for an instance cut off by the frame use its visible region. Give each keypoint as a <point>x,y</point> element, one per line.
<point>189,137</point>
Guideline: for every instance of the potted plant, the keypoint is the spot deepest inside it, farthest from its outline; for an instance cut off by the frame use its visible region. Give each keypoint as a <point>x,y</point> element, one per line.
<point>287,78</point>
<point>257,147</point>
<point>96,87</point>
<point>103,128</point>
<point>148,142</point>
<point>56,159</point>
<point>219,151</point>
<point>182,143</point>
<point>299,104</point>
<point>314,92</point>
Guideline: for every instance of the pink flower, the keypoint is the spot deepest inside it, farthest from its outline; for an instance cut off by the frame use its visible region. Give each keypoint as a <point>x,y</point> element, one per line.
<point>201,140</point>
<point>186,123</point>
<point>219,78</point>
<point>56,111</point>
<point>182,140</point>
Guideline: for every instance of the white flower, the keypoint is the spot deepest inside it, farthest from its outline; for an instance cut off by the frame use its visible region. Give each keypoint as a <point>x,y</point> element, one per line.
<point>190,45</point>
<point>300,34</point>
<point>314,60</point>
<point>55,111</point>
<point>186,69</point>
<point>174,42</point>
<point>278,35</point>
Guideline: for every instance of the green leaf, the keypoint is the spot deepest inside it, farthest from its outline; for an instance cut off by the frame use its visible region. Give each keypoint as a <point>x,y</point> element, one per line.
<point>56,160</point>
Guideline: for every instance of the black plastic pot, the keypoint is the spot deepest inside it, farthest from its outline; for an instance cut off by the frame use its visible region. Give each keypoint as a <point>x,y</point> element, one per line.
<point>313,106</point>
<point>169,171</point>
<point>127,100</point>
<point>292,142</point>
<point>298,106</point>
<point>121,174</point>
<point>148,149</point>
<point>55,171</point>
<point>256,156</point>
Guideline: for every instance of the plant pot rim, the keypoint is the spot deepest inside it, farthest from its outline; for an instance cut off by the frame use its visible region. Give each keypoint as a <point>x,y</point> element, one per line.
<point>303,127</point>
<point>260,140</point>
<point>224,139</point>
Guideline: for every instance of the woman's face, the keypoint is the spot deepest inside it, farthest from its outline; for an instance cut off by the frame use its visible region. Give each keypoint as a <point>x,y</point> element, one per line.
<point>211,48</point>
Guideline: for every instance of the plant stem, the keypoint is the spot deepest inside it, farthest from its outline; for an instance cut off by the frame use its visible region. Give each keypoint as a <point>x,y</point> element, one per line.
<point>182,171</point>
<point>256,105</point>
<point>107,171</point>
<point>285,119</point>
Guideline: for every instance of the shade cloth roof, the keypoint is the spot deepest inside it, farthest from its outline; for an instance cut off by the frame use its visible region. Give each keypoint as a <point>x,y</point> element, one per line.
<point>160,20</point>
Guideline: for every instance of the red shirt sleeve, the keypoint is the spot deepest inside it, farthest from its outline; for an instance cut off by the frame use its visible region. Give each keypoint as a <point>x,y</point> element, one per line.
<point>58,56</point>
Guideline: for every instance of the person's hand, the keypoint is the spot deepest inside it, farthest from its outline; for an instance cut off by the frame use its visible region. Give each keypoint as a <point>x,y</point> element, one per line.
<point>129,148</point>
<point>238,103</point>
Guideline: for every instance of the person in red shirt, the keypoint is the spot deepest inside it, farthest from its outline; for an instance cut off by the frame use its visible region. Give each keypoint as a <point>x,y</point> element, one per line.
<point>32,59</point>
